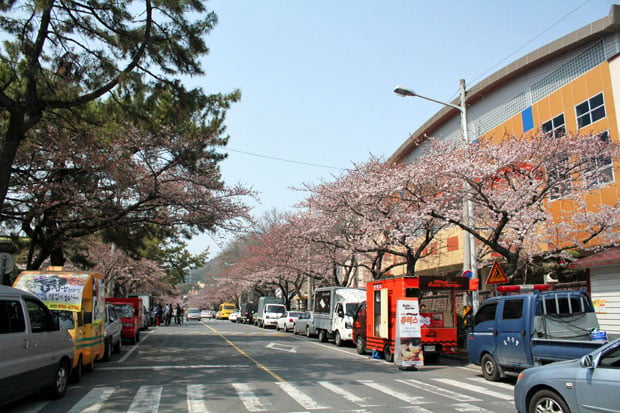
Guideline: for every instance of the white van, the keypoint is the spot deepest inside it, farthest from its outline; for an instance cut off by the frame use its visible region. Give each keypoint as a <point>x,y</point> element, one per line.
<point>36,353</point>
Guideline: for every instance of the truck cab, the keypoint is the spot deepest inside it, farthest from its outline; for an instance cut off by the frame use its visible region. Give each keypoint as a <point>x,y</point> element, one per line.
<point>129,309</point>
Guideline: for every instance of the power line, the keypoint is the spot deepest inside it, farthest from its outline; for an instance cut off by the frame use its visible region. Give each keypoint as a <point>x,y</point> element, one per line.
<point>258,155</point>
<point>530,41</point>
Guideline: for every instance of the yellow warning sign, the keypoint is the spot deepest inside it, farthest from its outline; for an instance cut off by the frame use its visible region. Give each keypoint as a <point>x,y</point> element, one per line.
<point>497,275</point>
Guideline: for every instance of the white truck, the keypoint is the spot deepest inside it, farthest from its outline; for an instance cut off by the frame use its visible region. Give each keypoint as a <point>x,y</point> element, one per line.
<point>334,308</point>
<point>268,310</point>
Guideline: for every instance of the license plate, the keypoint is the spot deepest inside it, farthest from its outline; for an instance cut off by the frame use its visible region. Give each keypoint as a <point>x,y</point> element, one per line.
<point>429,348</point>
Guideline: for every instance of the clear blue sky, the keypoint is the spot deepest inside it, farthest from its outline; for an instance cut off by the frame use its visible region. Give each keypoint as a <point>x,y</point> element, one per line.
<point>316,77</point>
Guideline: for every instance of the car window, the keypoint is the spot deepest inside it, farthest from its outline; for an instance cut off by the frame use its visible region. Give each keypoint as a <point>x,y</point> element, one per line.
<point>66,319</point>
<point>513,309</point>
<point>485,313</point>
<point>11,317</point>
<point>124,310</point>
<point>40,318</point>
<point>611,358</point>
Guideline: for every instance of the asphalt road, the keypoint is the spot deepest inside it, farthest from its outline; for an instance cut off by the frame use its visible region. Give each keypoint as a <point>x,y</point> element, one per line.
<point>219,366</point>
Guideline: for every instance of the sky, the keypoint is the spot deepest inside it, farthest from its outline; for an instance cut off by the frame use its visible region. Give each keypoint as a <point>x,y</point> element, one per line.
<point>317,78</point>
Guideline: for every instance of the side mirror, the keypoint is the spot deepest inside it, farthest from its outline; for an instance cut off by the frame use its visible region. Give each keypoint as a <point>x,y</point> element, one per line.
<point>586,361</point>
<point>340,313</point>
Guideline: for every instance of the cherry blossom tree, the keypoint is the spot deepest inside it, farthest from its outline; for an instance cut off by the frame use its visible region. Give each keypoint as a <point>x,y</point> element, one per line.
<point>69,186</point>
<point>533,197</point>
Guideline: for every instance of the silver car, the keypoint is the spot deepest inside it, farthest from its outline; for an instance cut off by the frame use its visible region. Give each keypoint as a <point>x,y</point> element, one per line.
<point>36,353</point>
<point>113,328</point>
<point>304,325</point>
<point>589,384</point>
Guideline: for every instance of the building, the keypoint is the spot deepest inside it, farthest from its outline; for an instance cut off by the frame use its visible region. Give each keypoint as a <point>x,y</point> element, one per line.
<point>570,84</point>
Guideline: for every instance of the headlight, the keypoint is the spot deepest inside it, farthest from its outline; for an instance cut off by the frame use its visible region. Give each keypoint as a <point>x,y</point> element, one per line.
<point>127,325</point>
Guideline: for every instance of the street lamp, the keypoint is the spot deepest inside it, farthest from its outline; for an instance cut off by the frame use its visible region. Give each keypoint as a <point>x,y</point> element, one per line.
<point>469,244</point>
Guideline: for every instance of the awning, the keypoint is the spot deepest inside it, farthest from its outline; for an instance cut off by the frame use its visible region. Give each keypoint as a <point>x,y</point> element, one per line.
<point>610,256</point>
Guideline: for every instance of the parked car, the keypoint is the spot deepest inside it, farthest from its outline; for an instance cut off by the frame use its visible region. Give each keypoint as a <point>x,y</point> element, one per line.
<point>113,329</point>
<point>591,383</point>
<point>287,321</point>
<point>193,314</point>
<point>234,316</point>
<point>305,325</point>
<point>205,314</point>
<point>129,309</point>
<point>37,354</point>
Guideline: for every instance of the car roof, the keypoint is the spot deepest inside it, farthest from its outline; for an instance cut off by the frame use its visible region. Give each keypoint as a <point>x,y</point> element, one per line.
<point>15,292</point>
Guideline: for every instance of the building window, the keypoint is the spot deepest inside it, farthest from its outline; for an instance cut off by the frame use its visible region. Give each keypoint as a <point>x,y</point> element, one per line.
<point>602,170</point>
<point>590,111</point>
<point>554,128</point>
<point>559,178</point>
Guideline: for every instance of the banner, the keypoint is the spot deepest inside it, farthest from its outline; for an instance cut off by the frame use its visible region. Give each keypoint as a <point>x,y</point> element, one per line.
<point>408,342</point>
<point>57,291</point>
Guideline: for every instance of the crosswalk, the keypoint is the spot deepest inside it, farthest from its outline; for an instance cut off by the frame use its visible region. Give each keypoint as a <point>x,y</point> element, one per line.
<point>432,395</point>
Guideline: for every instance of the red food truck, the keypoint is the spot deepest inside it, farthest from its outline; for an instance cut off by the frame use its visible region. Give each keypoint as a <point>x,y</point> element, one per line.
<point>438,312</point>
<point>129,309</point>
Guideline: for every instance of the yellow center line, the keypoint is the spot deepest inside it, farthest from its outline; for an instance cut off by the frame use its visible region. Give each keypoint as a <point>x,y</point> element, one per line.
<point>243,353</point>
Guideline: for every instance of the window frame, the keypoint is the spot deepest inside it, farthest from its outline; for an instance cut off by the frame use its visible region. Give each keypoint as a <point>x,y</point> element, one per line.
<point>587,115</point>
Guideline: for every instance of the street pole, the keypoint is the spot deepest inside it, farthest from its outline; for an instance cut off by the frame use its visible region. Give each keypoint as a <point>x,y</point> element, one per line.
<point>470,261</point>
<point>469,241</point>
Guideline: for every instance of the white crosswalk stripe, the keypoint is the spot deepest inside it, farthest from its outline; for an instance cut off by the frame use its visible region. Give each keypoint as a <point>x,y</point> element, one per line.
<point>94,400</point>
<point>415,400</point>
<point>477,389</point>
<point>248,398</point>
<point>432,395</point>
<point>146,400</point>
<point>422,385</point>
<point>196,402</point>
<point>300,397</point>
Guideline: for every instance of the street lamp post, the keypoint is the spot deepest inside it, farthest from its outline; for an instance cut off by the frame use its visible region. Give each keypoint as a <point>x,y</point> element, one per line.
<point>469,242</point>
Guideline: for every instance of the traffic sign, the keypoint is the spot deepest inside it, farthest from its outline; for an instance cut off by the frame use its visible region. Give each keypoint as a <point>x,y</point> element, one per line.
<point>497,275</point>
<point>467,274</point>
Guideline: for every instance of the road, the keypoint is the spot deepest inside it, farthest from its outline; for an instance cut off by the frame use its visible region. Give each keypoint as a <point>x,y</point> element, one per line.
<point>219,366</point>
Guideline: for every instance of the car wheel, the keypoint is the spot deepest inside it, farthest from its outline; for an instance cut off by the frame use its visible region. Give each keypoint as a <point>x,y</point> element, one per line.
<point>107,353</point>
<point>360,345</point>
<point>76,374</point>
<point>277,327</point>
<point>61,379</point>
<point>490,370</point>
<point>387,353</point>
<point>307,331</point>
<point>547,401</point>
<point>338,339</point>
<point>295,329</point>
<point>322,336</point>
<point>119,345</point>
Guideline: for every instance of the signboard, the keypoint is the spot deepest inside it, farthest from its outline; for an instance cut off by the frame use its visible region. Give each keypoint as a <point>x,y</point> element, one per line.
<point>428,282</point>
<point>58,291</point>
<point>497,275</point>
<point>408,342</point>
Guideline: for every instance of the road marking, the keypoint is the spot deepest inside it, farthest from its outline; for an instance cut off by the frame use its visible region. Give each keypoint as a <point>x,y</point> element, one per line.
<point>243,353</point>
<point>282,347</point>
<point>505,386</point>
<point>94,400</point>
<point>476,389</point>
<point>300,397</point>
<point>391,392</point>
<point>360,401</point>
<point>146,400</point>
<point>196,402</point>
<point>250,401</point>
<point>466,407</point>
<point>177,367</point>
<point>122,359</point>
<point>459,397</point>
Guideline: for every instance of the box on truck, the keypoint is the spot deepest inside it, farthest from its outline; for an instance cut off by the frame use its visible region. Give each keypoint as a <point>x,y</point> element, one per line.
<point>147,318</point>
<point>259,316</point>
<point>78,300</point>
<point>334,308</point>
<point>129,309</point>
<point>438,313</point>
<point>513,332</point>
